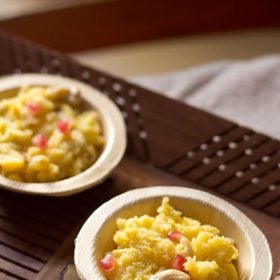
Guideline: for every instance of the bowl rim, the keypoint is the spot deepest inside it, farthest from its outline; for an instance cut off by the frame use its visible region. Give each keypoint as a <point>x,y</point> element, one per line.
<point>112,122</point>
<point>85,262</point>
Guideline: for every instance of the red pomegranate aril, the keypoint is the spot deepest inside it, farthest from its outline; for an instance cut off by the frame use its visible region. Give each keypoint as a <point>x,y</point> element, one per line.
<point>108,262</point>
<point>63,126</point>
<point>33,107</point>
<point>40,140</point>
<point>175,236</point>
<point>178,262</point>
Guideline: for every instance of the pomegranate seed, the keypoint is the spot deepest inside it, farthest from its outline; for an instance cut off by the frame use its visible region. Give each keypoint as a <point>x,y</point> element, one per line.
<point>63,126</point>
<point>108,262</point>
<point>33,107</point>
<point>175,236</point>
<point>40,140</point>
<point>178,262</point>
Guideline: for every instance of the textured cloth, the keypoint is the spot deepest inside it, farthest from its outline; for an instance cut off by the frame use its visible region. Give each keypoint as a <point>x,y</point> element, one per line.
<point>246,92</point>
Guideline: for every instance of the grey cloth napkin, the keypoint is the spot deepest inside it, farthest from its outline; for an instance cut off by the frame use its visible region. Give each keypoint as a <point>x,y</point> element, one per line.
<point>246,92</point>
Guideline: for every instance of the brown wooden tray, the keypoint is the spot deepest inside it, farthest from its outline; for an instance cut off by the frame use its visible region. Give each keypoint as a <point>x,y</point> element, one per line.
<point>169,144</point>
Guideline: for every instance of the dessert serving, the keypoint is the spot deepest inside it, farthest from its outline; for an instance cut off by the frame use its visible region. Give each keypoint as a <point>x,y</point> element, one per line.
<point>47,134</point>
<point>58,136</point>
<point>150,247</point>
<point>170,233</point>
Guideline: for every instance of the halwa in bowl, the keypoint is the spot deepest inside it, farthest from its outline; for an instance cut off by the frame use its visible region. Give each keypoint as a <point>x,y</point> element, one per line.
<point>58,136</point>
<point>226,244</point>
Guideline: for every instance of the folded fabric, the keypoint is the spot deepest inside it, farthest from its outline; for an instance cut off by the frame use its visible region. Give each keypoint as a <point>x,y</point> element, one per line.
<point>246,92</point>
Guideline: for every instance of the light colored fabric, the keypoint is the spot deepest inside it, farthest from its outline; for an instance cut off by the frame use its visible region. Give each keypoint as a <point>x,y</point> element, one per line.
<point>246,92</point>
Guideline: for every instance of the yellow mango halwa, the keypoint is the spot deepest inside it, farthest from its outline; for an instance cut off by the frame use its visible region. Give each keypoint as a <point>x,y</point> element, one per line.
<point>47,134</point>
<point>145,246</point>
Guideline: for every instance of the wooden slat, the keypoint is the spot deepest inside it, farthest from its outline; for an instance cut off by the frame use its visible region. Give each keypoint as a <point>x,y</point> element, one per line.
<point>160,121</point>
<point>135,127</point>
<point>34,57</point>
<point>252,189</point>
<point>45,214</point>
<point>121,94</point>
<point>41,216</point>
<point>28,222</point>
<point>27,235</point>
<point>60,259</point>
<point>5,65</point>
<point>234,185</point>
<point>17,271</point>
<point>24,246</point>
<point>235,182</point>
<point>4,276</point>
<point>186,162</point>
<point>266,199</point>
<point>57,211</point>
<point>237,160</point>
<point>21,57</point>
<point>207,171</point>
<point>273,208</point>
<point>71,205</point>
<point>20,258</point>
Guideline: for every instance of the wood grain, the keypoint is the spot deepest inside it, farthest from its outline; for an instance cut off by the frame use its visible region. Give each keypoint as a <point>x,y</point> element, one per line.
<point>107,23</point>
<point>167,142</point>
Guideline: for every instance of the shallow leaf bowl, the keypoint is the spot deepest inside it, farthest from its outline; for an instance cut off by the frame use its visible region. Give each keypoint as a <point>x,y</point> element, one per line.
<point>96,236</point>
<point>113,130</point>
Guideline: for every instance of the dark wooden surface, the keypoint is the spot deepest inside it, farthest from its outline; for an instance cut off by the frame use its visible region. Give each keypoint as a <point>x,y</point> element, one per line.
<point>107,23</point>
<point>169,143</point>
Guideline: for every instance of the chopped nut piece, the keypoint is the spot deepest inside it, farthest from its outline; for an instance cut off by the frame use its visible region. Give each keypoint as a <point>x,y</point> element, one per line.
<point>170,274</point>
